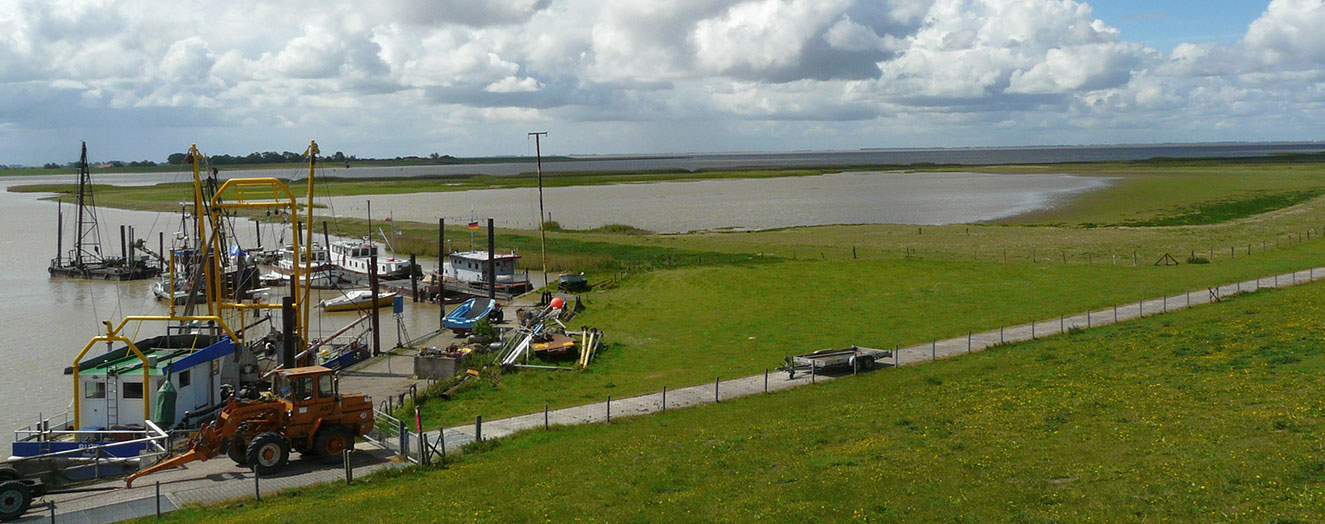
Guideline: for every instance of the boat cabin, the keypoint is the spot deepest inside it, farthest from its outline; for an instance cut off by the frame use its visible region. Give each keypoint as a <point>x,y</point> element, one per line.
<point>112,389</point>
<point>472,267</point>
<point>354,256</point>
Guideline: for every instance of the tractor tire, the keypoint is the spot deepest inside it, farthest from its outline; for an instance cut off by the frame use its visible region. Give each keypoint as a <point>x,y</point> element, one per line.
<point>15,498</point>
<point>268,452</point>
<point>237,453</point>
<point>331,442</point>
<point>7,473</point>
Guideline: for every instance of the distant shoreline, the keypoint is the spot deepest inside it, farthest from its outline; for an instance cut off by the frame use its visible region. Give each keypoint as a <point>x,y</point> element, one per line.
<point>691,162</point>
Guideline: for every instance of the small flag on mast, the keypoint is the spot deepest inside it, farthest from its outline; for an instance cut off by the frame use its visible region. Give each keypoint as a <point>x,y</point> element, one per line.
<point>473,225</point>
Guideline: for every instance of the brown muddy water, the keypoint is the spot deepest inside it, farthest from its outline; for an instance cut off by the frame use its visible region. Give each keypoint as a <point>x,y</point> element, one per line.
<point>752,204</point>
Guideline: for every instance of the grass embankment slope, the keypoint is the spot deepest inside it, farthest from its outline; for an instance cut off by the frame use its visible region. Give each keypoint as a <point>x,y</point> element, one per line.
<point>686,326</point>
<point>1205,415</point>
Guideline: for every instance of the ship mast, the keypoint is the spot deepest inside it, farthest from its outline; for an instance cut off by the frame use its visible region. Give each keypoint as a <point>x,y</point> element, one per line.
<point>89,237</point>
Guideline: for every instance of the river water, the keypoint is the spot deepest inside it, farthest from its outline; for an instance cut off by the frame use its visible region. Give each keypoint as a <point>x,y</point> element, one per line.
<point>677,207</point>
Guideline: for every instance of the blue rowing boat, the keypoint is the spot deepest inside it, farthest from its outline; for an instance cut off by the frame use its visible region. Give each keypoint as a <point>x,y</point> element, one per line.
<point>463,318</point>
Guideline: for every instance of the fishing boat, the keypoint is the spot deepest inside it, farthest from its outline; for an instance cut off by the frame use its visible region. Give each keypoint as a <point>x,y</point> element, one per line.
<point>465,316</point>
<point>86,260</point>
<point>354,258</point>
<point>183,369</point>
<point>467,272</point>
<point>316,267</point>
<point>357,299</point>
<point>125,400</point>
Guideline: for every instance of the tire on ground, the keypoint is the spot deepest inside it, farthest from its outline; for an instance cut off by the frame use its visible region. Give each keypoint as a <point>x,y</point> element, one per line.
<point>237,452</point>
<point>331,442</point>
<point>268,452</point>
<point>15,498</point>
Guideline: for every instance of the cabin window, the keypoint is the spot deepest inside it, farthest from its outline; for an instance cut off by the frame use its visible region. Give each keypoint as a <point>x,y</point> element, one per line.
<point>324,388</point>
<point>303,389</point>
<point>133,390</point>
<point>95,390</point>
<point>185,378</point>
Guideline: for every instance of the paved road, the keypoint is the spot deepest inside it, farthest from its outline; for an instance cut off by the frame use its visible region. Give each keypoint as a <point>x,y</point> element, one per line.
<point>219,479</point>
<point>210,481</point>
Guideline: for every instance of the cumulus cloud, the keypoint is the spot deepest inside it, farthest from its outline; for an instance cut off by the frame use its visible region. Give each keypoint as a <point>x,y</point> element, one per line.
<point>402,75</point>
<point>1289,33</point>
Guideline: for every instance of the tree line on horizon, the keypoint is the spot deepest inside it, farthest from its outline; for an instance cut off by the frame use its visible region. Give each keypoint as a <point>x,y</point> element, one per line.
<point>263,157</point>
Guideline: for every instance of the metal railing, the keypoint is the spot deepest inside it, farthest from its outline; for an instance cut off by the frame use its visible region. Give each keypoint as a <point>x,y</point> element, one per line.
<point>91,456</point>
<point>38,430</point>
<point>394,435</point>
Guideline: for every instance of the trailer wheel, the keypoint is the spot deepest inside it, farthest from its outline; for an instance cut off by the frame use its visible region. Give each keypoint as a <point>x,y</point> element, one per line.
<point>268,452</point>
<point>8,473</point>
<point>331,442</point>
<point>866,362</point>
<point>237,453</point>
<point>15,497</point>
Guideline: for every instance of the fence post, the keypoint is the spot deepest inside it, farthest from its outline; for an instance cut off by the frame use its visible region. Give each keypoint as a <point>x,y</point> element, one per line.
<point>1000,333</point>
<point>404,439</point>
<point>478,428</point>
<point>51,505</point>
<point>1088,319</point>
<point>765,380</point>
<point>257,490</point>
<point>933,350</point>
<point>1189,298</point>
<point>158,499</point>
<point>1141,306</point>
<point>1062,322</point>
<point>1115,313</point>
<point>441,438</point>
<point>664,399</point>
<point>968,341</point>
<point>423,449</point>
<point>812,368</point>
<point>609,408</point>
<point>349,470</point>
<point>715,390</point>
<point>546,424</point>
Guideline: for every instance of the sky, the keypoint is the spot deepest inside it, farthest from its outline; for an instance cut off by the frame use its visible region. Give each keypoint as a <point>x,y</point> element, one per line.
<point>143,79</point>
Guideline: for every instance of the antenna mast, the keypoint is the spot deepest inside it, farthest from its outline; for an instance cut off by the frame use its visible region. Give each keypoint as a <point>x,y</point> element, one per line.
<point>542,233</point>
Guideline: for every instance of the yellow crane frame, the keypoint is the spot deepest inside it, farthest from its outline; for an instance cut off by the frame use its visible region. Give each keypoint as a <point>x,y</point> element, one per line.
<point>245,191</point>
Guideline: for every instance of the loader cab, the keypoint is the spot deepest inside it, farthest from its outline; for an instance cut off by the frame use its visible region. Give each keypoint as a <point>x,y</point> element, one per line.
<point>306,385</point>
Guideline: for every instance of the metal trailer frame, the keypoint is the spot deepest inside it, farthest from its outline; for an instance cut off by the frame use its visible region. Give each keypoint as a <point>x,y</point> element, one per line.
<point>41,473</point>
<point>854,357</point>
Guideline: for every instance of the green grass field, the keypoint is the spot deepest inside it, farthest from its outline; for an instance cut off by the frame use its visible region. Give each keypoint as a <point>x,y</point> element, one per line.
<point>685,326</point>
<point>1205,415</point>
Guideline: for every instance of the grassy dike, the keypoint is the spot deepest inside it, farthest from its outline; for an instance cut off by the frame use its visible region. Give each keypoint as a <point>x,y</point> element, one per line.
<point>686,326</point>
<point>1204,415</point>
